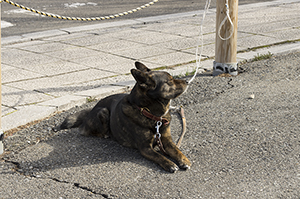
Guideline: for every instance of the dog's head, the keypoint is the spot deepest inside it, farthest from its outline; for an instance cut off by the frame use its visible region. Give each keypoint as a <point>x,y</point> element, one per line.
<point>157,84</point>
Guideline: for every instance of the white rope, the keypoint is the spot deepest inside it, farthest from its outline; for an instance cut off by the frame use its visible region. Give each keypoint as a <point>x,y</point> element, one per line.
<point>200,40</point>
<point>223,22</point>
<point>198,56</point>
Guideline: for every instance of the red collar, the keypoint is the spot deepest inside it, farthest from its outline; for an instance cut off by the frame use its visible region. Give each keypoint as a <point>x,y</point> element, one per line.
<point>153,117</point>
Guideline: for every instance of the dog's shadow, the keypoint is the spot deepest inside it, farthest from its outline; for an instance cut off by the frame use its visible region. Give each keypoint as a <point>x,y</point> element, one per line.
<point>70,149</point>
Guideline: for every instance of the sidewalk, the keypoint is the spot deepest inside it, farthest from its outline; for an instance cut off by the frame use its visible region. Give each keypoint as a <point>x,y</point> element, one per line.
<point>51,71</point>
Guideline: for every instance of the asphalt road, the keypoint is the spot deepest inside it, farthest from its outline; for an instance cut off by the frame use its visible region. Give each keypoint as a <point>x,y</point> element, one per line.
<point>239,147</point>
<point>16,21</point>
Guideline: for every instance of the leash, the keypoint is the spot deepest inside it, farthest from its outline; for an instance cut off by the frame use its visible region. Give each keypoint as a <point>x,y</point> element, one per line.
<point>181,113</point>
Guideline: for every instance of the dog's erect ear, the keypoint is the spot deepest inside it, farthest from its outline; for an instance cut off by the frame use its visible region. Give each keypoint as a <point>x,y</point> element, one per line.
<point>141,67</point>
<point>143,79</point>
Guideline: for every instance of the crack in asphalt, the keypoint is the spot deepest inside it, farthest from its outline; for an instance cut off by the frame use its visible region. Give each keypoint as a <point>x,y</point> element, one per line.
<point>90,190</point>
<point>18,169</point>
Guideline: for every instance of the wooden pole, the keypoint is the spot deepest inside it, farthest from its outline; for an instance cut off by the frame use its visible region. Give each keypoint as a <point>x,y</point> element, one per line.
<point>1,132</point>
<point>226,38</point>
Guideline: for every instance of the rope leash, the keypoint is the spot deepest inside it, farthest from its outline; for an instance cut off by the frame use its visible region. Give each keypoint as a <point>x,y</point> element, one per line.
<point>198,56</point>
<point>80,18</point>
<point>198,61</point>
<point>181,112</point>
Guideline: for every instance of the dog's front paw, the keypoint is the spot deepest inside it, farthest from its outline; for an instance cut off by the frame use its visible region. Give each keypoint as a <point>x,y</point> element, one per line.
<point>173,168</point>
<point>185,164</point>
<point>169,166</point>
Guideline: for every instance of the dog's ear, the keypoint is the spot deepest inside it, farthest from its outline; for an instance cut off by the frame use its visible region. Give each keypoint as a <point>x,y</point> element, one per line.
<point>141,67</point>
<point>143,79</point>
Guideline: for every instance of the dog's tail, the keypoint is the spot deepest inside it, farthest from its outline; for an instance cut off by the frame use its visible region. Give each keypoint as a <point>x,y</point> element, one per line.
<point>73,121</point>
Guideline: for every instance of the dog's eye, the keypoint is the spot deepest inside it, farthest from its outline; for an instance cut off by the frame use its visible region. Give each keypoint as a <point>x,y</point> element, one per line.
<point>170,83</point>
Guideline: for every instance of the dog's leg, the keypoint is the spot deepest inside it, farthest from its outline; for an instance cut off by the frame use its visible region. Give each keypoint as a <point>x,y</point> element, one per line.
<point>158,158</point>
<point>173,151</point>
<point>103,115</point>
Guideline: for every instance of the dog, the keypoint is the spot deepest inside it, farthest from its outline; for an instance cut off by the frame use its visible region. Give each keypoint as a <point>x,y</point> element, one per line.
<point>140,119</point>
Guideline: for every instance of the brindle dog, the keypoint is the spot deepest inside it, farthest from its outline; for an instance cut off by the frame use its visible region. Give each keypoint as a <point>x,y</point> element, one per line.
<point>132,119</point>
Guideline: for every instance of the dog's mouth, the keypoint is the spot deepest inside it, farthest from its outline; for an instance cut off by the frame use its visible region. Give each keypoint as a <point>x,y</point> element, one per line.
<point>179,89</point>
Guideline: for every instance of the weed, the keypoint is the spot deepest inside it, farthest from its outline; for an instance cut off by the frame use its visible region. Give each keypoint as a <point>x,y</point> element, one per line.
<point>90,99</point>
<point>259,57</point>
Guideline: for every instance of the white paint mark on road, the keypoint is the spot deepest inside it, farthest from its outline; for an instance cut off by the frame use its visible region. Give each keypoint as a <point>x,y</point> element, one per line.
<point>20,11</point>
<point>5,24</point>
<point>76,5</point>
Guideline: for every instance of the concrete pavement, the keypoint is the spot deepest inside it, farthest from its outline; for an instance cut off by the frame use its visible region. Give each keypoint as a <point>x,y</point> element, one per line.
<point>51,71</point>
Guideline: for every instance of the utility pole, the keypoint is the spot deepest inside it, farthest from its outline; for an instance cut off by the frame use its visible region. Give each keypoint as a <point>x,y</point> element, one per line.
<point>226,37</point>
<point>1,132</point>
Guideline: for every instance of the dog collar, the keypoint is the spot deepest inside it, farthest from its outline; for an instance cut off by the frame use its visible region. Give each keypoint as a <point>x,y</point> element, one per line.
<point>153,117</point>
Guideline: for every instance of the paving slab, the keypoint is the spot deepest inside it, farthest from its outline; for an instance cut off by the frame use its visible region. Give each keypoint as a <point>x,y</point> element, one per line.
<point>290,33</point>
<point>45,47</point>
<point>6,110</point>
<point>257,41</point>
<point>188,43</point>
<point>207,52</point>
<point>148,51</point>
<point>187,30</point>
<point>25,59</point>
<point>70,54</point>
<point>46,84</point>
<point>26,115</point>
<point>14,97</point>
<point>101,91</point>
<point>116,45</point>
<point>272,49</point>
<point>110,64</point>
<point>15,74</point>
<point>65,102</point>
<point>170,59</point>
